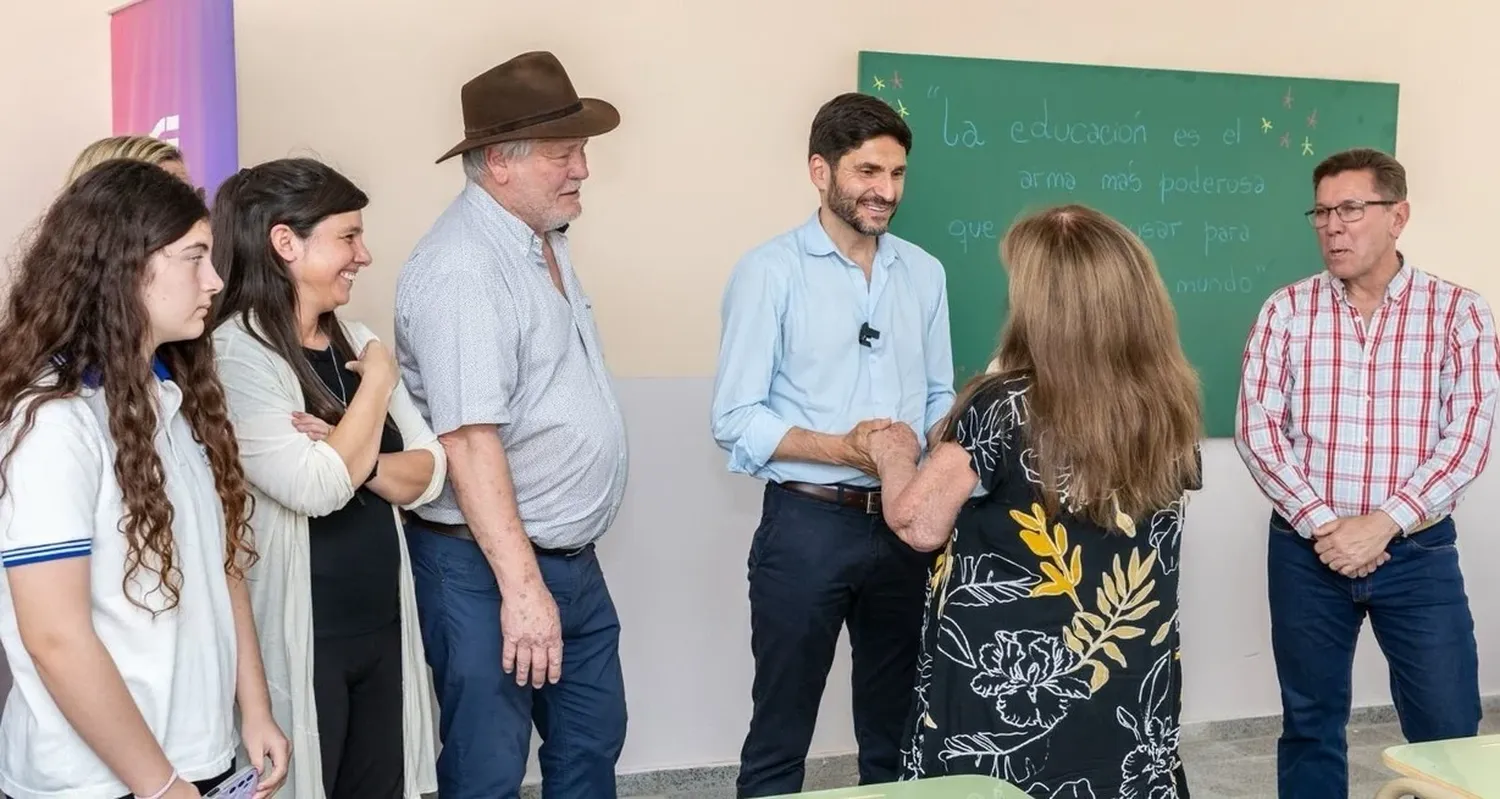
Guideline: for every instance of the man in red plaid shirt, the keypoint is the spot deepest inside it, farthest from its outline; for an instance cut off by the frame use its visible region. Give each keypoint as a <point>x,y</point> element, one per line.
<point>1365,411</point>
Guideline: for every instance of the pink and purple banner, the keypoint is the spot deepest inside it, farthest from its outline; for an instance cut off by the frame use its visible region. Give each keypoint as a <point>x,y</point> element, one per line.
<point>174,78</point>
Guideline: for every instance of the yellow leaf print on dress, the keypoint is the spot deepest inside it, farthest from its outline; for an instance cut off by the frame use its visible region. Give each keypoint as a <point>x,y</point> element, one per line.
<point>1123,598</point>
<point>1062,574</point>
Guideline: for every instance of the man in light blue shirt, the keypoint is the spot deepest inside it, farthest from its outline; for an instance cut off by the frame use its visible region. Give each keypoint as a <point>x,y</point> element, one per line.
<point>832,331</point>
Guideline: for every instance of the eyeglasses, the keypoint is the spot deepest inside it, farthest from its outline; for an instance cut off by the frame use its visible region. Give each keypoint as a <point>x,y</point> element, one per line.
<point>1348,211</point>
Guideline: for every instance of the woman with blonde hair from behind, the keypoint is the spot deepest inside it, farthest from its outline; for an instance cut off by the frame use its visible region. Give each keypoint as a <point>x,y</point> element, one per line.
<point>1049,651</point>
<point>147,149</point>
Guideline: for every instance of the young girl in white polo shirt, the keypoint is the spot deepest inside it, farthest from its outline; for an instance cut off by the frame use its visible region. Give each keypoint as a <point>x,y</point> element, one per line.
<point>123,509</point>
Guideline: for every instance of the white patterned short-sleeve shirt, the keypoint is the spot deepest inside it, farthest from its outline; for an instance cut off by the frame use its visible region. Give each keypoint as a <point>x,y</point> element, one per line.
<point>483,337</point>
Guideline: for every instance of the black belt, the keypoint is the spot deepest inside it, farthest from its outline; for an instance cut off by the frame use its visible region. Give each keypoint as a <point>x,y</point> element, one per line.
<point>463,531</point>
<point>866,499</point>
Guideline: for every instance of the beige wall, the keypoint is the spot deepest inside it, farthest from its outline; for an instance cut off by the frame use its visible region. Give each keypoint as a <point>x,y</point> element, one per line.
<point>54,99</point>
<point>716,98</point>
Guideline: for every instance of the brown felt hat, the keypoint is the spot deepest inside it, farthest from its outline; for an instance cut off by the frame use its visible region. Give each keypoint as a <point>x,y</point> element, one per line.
<point>529,97</point>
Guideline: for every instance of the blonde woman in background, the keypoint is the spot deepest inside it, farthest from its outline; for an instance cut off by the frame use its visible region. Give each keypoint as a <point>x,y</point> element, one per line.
<point>149,149</point>
<point>1049,647</point>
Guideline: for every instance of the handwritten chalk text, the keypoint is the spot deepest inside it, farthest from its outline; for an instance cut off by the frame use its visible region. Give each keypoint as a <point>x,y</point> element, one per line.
<point>1104,134</point>
<point>966,133</point>
<point>1235,283</point>
<point>1126,180</point>
<point>971,231</point>
<point>1031,179</point>
<point>1232,135</point>
<point>1223,234</point>
<point>1198,183</point>
<point>1215,285</point>
<point>1157,231</point>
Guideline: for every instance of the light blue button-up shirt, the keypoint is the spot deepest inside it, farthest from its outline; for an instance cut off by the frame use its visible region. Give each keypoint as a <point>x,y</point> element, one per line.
<point>790,356</point>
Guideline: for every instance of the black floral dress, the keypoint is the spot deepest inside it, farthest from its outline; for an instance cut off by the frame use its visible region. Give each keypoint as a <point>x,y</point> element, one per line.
<point>1049,646</point>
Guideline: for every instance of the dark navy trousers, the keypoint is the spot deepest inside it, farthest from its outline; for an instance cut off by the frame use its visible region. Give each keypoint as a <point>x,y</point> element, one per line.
<point>1420,615</point>
<point>813,567</point>
<point>485,719</point>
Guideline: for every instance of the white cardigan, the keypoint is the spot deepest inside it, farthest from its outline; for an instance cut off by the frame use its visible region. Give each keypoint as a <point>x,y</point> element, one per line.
<point>291,478</point>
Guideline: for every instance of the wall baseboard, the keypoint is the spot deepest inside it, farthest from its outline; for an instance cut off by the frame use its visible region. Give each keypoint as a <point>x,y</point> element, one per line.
<point>833,770</point>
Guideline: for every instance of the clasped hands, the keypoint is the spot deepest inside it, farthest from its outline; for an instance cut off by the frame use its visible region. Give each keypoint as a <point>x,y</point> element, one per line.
<point>1354,546</point>
<point>874,441</point>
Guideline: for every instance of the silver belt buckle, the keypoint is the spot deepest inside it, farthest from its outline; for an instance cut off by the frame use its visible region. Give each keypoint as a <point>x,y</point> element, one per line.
<point>872,503</point>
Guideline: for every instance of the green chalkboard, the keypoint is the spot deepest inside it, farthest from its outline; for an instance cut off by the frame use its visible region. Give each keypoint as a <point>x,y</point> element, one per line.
<point>1213,171</point>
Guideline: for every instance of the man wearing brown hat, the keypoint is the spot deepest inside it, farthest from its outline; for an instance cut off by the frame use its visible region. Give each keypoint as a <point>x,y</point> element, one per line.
<point>498,347</point>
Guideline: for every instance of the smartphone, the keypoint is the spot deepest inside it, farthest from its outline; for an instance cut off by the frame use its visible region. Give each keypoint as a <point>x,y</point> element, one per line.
<point>241,785</point>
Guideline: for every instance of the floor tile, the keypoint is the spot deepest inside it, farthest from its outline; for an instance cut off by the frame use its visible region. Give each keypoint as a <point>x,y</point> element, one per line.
<point>1238,762</point>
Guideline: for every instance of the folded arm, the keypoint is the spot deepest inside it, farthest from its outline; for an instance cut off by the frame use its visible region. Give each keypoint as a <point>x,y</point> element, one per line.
<point>403,477</point>
<point>414,477</point>
<point>312,478</point>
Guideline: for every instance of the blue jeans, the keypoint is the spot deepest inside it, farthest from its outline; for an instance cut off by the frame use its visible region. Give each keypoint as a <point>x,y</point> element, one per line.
<point>814,566</point>
<point>1420,615</point>
<point>485,719</point>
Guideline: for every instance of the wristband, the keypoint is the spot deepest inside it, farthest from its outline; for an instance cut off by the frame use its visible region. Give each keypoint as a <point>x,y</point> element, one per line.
<point>172,780</point>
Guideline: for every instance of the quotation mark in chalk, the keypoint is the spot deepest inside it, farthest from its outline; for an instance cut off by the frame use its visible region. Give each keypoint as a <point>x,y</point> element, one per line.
<point>932,91</point>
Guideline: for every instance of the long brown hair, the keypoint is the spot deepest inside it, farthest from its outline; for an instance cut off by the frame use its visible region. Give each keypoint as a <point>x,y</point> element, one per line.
<point>1113,401</point>
<point>258,287</point>
<point>76,316</point>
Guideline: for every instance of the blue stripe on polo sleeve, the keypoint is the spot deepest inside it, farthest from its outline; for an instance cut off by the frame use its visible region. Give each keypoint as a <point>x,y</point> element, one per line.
<point>40,553</point>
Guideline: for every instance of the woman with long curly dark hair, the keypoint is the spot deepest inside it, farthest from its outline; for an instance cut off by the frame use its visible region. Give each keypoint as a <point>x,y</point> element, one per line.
<point>123,508</point>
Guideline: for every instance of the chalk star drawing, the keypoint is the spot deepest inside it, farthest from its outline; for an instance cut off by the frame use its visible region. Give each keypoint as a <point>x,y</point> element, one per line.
<point>1286,100</point>
<point>896,79</point>
<point>1312,119</point>
<point>1265,125</point>
<point>1307,146</point>
<point>901,108</point>
<point>879,84</point>
<point>1286,139</point>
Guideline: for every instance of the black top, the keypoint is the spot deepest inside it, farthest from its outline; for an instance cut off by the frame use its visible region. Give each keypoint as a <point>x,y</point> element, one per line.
<point>356,559</point>
<point>1050,646</point>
